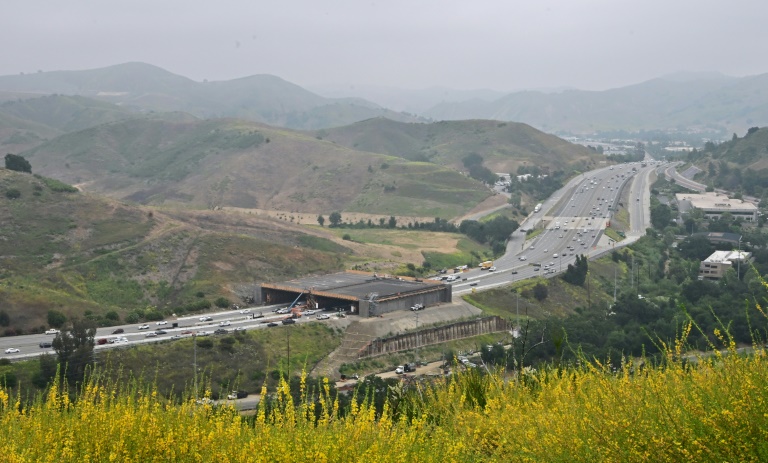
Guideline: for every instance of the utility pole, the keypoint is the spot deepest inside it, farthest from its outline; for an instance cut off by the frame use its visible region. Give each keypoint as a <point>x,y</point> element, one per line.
<point>738,271</point>
<point>417,335</point>
<point>614,285</point>
<point>288,335</point>
<point>194,362</point>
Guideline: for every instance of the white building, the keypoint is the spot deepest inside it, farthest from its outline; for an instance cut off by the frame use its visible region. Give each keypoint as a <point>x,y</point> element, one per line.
<point>716,204</point>
<point>715,266</point>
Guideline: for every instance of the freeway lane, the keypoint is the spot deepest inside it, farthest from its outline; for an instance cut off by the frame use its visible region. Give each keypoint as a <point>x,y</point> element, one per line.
<point>582,210</point>
<point>29,345</point>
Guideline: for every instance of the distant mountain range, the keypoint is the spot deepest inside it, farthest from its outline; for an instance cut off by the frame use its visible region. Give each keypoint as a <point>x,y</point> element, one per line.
<point>678,103</point>
<point>681,101</point>
<point>143,87</point>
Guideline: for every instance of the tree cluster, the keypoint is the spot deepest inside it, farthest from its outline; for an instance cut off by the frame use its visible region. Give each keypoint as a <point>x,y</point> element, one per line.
<point>576,273</point>
<point>17,163</point>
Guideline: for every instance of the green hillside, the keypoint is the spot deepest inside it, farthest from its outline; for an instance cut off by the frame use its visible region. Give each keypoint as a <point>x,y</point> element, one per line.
<point>206,164</point>
<point>504,146</point>
<point>739,165</point>
<point>80,254</point>
<point>260,98</point>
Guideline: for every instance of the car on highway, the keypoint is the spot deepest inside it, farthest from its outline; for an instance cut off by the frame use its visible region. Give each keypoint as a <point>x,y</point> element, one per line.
<point>514,272</point>
<point>271,324</point>
<point>536,269</point>
<point>206,319</point>
<point>177,336</point>
<point>161,322</point>
<point>554,255</point>
<point>310,312</point>
<point>46,345</point>
<point>240,328</point>
<point>52,331</point>
<point>144,327</point>
<point>118,331</point>
<point>159,332</point>
<point>220,331</point>
<point>12,350</point>
<point>474,283</point>
<point>492,269</point>
<point>289,321</point>
<point>323,316</point>
<point>245,311</point>
<point>523,258</point>
<point>151,334</point>
<point>224,323</point>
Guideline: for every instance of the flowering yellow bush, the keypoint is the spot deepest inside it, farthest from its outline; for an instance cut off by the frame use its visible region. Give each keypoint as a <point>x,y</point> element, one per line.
<point>714,409</point>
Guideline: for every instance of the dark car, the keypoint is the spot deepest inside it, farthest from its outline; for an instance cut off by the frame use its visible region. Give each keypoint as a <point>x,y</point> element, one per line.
<point>46,345</point>
<point>159,332</point>
<point>272,324</point>
<point>220,331</point>
<point>118,331</point>
<point>289,321</point>
<point>409,367</point>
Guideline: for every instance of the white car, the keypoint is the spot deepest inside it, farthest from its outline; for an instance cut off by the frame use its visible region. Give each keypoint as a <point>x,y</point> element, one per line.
<point>52,331</point>
<point>245,311</point>
<point>240,328</point>
<point>323,316</point>
<point>12,350</point>
<point>492,269</point>
<point>206,319</point>
<point>161,322</point>
<point>310,312</point>
<point>143,327</point>
<point>523,258</point>
<point>400,370</point>
<point>224,323</point>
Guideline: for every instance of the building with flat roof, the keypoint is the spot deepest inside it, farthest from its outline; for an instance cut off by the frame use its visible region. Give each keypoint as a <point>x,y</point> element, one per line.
<point>715,266</point>
<point>721,237</point>
<point>715,205</point>
<point>363,293</point>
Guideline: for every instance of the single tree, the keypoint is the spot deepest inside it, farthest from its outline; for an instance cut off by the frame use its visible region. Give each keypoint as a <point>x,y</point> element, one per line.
<point>334,219</point>
<point>74,349</point>
<point>17,163</point>
<point>56,319</point>
<point>321,220</point>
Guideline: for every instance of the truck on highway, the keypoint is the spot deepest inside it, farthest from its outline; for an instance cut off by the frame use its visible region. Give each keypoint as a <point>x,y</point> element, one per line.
<point>486,265</point>
<point>537,208</point>
<point>557,225</point>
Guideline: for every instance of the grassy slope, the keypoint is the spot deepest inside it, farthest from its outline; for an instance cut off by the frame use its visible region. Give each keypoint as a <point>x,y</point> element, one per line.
<point>74,252</point>
<point>244,164</point>
<point>503,145</point>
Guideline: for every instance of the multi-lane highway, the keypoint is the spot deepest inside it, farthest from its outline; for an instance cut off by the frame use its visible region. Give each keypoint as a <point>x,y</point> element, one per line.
<point>573,222</point>
<point>30,345</point>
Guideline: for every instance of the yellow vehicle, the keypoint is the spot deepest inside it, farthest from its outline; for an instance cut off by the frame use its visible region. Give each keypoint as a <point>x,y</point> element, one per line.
<point>486,265</point>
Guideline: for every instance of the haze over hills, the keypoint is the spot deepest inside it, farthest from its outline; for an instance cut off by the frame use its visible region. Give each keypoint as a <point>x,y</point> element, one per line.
<point>260,98</point>
<point>679,101</point>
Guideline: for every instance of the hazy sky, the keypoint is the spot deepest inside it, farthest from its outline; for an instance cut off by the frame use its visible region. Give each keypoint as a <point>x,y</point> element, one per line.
<point>499,44</point>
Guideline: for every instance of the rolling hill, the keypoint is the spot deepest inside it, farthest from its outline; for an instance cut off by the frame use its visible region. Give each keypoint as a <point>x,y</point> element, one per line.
<point>739,165</point>
<point>82,254</point>
<point>28,122</point>
<point>224,162</point>
<point>260,98</point>
<point>504,146</point>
